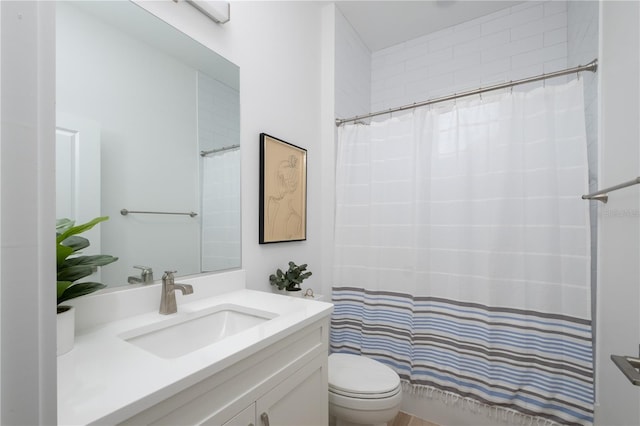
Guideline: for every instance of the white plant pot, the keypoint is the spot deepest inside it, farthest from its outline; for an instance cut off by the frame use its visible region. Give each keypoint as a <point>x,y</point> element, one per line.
<point>287,292</point>
<point>66,325</point>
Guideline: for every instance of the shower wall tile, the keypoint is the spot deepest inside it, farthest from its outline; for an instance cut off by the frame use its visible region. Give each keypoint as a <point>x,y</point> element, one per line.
<point>520,15</point>
<point>218,126</point>
<point>516,42</point>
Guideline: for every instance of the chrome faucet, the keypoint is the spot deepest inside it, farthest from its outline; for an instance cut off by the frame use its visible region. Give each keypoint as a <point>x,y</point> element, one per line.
<point>146,276</point>
<point>168,297</point>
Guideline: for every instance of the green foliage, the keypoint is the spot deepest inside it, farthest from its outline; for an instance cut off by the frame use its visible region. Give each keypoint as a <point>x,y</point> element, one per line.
<point>291,279</point>
<point>71,269</point>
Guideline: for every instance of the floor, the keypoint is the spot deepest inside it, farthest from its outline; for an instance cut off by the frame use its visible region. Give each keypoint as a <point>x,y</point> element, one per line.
<point>404,419</point>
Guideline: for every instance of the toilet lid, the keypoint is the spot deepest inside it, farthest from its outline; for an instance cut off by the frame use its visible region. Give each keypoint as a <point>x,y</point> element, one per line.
<point>354,374</point>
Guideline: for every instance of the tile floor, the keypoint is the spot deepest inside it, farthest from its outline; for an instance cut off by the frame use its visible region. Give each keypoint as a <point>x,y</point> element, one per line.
<point>404,419</point>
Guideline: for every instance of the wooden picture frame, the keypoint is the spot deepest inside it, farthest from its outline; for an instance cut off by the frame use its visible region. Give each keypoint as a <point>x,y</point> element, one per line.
<point>283,191</point>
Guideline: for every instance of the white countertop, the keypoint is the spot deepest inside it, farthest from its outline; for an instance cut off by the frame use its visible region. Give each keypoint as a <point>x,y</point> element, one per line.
<point>106,380</point>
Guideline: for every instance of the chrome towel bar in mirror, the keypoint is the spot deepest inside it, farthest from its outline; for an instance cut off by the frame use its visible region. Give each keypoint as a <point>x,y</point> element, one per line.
<point>125,212</point>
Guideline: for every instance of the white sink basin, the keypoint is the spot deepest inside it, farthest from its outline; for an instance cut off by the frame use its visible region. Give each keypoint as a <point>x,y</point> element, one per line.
<point>184,334</point>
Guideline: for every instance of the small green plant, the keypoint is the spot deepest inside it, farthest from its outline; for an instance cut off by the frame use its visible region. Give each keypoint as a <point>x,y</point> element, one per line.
<point>291,279</point>
<point>72,268</point>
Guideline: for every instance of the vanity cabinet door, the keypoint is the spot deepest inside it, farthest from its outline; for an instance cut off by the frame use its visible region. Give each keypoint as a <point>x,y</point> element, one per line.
<point>300,400</point>
<point>246,417</point>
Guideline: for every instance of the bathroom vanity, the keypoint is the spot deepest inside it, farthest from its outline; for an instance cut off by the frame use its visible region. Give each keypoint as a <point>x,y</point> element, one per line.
<point>266,364</point>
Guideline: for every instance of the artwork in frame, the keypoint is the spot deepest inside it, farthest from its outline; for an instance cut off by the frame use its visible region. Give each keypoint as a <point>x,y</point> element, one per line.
<point>283,191</point>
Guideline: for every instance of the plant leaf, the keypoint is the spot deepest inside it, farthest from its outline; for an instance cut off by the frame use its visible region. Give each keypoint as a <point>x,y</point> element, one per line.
<point>79,228</point>
<point>62,252</point>
<point>80,289</point>
<point>61,287</point>
<point>93,260</point>
<point>74,273</point>
<point>76,243</point>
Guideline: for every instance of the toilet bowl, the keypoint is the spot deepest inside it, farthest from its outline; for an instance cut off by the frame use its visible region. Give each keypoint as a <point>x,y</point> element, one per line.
<point>362,391</point>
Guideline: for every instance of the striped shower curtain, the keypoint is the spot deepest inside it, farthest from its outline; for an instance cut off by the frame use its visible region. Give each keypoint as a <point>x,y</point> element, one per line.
<point>462,251</point>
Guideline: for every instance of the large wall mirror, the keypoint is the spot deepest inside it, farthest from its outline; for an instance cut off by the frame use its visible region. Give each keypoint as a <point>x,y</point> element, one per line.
<point>148,120</point>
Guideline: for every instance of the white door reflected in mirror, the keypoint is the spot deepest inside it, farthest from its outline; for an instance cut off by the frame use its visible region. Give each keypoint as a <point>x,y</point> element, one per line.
<point>78,176</point>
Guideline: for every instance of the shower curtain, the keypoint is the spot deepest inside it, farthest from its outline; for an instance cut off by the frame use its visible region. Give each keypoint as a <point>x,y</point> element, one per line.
<point>462,252</point>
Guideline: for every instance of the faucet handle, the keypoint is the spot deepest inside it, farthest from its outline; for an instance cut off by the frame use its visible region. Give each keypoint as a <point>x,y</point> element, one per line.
<point>146,274</point>
<point>144,268</point>
<point>168,275</point>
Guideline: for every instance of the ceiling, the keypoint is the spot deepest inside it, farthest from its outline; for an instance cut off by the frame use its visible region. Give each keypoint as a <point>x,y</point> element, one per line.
<point>381,24</point>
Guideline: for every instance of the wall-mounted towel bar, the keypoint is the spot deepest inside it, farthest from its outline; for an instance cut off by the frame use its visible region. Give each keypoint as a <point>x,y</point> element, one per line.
<point>213,151</point>
<point>603,195</point>
<point>629,366</point>
<point>125,212</point>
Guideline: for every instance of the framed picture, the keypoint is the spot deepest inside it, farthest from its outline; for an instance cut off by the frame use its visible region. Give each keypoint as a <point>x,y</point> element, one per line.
<point>283,191</point>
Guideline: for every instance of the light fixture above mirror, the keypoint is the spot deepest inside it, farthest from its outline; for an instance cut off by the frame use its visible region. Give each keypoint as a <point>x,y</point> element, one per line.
<point>218,11</point>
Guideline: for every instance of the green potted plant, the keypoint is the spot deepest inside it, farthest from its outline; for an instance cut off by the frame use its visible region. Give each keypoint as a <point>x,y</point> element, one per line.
<point>71,267</point>
<point>290,280</point>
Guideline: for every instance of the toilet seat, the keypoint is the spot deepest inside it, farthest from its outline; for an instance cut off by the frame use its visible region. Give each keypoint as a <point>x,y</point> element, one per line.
<point>359,377</point>
<point>365,395</point>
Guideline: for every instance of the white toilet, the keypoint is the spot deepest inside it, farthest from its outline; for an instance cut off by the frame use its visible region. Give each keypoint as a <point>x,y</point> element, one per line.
<point>362,391</point>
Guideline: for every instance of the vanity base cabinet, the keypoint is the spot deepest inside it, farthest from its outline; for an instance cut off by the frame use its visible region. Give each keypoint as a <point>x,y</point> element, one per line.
<point>296,401</point>
<point>286,380</point>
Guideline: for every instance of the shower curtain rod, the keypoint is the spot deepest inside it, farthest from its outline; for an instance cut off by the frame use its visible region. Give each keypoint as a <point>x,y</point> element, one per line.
<point>591,66</point>
<point>213,151</point>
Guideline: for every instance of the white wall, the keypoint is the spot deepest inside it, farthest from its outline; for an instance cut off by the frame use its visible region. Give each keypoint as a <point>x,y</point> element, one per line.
<point>27,321</point>
<point>619,227</point>
<point>352,70</point>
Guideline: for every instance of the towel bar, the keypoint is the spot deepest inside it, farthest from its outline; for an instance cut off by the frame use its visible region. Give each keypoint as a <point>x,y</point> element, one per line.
<point>125,212</point>
<point>629,366</point>
<point>602,194</point>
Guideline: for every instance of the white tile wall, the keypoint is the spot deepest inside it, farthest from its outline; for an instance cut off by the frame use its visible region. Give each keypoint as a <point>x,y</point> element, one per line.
<point>219,126</point>
<point>513,43</point>
<point>221,211</point>
<point>218,114</point>
<point>582,35</point>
